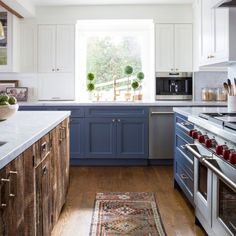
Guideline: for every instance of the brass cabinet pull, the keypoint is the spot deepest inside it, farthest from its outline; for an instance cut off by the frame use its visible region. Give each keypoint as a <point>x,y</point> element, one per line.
<point>45,170</point>
<point>13,173</point>
<point>44,147</point>
<point>62,133</point>
<point>5,181</point>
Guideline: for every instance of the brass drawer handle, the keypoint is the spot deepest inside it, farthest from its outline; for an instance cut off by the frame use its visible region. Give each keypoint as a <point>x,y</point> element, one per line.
<point>5,181</point>
<point>62,133</point>
<point>44,147</point>
<point>13,173</point>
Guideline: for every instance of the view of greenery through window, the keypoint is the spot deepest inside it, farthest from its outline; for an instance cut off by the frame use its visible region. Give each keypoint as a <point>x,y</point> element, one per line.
<point>107,57</point>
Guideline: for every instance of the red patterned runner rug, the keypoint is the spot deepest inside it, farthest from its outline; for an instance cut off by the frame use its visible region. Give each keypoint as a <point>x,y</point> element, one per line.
<point>126,214</point>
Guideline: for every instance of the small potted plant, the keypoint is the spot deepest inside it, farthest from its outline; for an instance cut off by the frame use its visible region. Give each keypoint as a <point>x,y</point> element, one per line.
<point>90,84</point>
<point>140,76</point>
<point>135,85</point>
<point>128,71</point>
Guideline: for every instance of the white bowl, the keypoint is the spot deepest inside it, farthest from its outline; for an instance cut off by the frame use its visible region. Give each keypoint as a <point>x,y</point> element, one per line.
<point>7,110</point>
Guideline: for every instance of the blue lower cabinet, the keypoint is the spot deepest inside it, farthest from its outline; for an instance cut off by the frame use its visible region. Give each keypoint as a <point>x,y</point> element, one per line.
<point>77,133</point>
<point>99,137</point>
<point>132,138</point>
<point>183,162</point>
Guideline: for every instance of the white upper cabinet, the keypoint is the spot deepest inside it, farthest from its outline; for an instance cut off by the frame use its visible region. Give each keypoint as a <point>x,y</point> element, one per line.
<point>56,48</point>
<point>183,47</point>
<point>174,47</point>
<point>56,86</point>
<point>217,34</point>
<point>65,51</point>
<point>165,47</point>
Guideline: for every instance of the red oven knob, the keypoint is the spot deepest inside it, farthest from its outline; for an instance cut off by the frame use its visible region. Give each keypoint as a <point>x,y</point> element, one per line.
<point>208,143</point>
<point>195,134</point>
<point>202,138</point>
<point>226,154</point>
<point>191,132</point>
<point>232,158</point>
<point>219,149</point>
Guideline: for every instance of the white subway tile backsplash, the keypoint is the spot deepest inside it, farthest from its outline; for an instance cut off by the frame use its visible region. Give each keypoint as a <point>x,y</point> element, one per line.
<point>206,79</point>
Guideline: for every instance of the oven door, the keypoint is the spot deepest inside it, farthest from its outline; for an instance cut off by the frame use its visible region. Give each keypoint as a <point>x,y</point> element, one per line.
<point>202,185</point>
<point>202,193</point>
<point>223,207</point>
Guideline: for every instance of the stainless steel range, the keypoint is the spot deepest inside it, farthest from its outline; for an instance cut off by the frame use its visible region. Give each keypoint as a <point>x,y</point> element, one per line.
<point>214,153</point>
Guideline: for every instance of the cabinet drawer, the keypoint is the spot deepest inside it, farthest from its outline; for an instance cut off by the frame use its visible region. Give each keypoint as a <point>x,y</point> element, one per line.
<point>75,111</point>
<point>185,182</point>
<point>180,142</point>
<point>43,147</point>
<point>185,161</point>
<point>183,124</point>
<point>183,135</point>
<point>129,111</point>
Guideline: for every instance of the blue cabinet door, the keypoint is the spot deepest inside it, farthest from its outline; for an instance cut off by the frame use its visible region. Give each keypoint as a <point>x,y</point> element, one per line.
<point>132,138</point>
<point>77,133</point>
<point>100,137</point>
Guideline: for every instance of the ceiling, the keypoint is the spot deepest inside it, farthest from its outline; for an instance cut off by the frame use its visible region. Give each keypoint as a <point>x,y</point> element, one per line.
<point>106,2</point>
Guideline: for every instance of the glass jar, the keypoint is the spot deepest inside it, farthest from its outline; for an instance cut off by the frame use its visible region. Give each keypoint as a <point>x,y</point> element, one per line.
<point>205,94</point>
<point>212,94</point>
<point>221,94</point>
<point>208,94</point>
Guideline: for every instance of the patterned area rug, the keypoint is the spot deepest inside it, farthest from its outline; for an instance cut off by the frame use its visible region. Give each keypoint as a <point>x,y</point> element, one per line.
<point>126,214</point>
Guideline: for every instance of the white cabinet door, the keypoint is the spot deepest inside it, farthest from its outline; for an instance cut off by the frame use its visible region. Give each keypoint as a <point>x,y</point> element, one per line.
<point>206,31</point>
<point>164,47</point>
<point>65,49</point>
<point>220,33</point>
<point>46,48</point>
<point>56,86</point>
<point>183,47</point>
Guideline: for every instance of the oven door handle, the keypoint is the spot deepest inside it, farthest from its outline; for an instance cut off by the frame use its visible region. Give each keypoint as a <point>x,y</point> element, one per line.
<point>194,152</point>
<point>220,175</point>
<point>204,161</point>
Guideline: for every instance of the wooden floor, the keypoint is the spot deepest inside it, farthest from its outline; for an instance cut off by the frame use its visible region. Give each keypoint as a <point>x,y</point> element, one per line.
<point>85,182</point>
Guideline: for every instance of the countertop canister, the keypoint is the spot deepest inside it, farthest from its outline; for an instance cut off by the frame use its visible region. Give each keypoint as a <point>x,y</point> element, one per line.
<point>231,103</point>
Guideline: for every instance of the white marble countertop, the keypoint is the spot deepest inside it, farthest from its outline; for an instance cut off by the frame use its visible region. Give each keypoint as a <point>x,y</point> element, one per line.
<point>117,103</point>
<point>195,111</point>
<point>193,116</point>
<point>23,129</point>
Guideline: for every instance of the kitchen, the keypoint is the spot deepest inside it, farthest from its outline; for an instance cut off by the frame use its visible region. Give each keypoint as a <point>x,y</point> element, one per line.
<point>116,138</point>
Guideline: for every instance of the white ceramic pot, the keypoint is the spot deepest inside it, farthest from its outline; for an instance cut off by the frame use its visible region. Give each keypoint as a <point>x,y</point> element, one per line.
<point>7,111</point>
<point>231,103</point>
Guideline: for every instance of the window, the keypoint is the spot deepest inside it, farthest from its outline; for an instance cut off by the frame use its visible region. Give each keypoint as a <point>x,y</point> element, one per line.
<point>105,48</point>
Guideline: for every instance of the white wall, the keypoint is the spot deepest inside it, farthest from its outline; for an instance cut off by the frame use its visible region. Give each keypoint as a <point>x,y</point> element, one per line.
<point>69,15</point>
<point>232,72</point>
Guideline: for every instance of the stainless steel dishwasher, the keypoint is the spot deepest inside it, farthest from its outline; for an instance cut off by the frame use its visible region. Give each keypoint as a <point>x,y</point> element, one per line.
<point>161,133</point>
